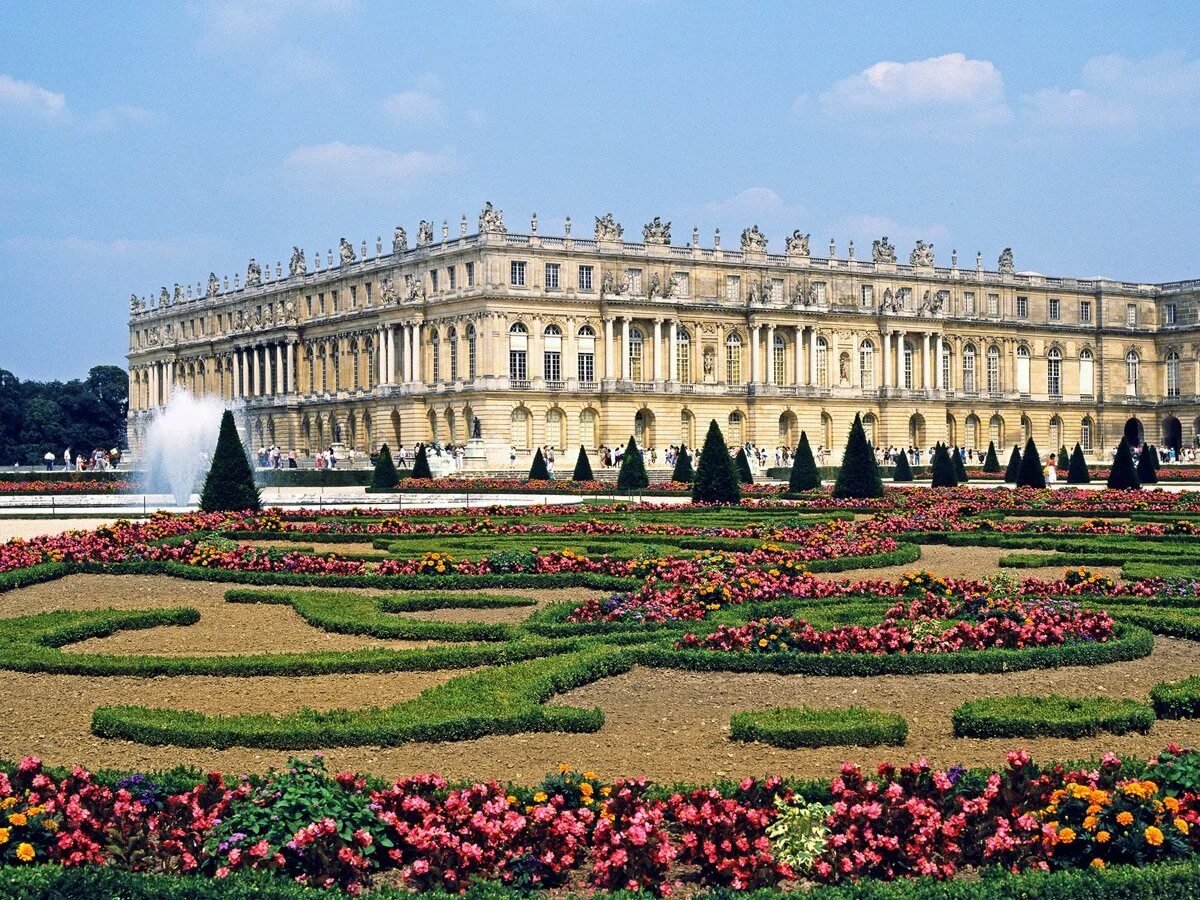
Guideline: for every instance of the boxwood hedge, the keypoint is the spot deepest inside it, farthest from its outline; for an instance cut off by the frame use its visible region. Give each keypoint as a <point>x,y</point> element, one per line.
<point>792,727</point>
<point>1050,716</point>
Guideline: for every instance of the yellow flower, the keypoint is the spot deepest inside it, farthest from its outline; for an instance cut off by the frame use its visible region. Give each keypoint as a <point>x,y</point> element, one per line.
<point>539,797</point>
<point>1125,817</point>
<point>1154,837</point>
<point>1181,824</point>
<point>17,819</point>
<point>50,825</point>
<point>25,852</point>
<point>1097,863</point>
<point>1102,837</point>
<point>1067,835</point>
<point>8,803</point>
<point>605,791</point>
<point>1094,809</point>
<point>586,789</point>
<point>590,776</point>
<point>3,836</point>
<point>1172,804</point>
<point>563,767</point>
<point>1090,823</point>
<point>510,799</point>
<point>762,642</point>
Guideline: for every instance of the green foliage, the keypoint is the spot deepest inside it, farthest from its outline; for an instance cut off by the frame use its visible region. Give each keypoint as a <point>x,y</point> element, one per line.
<point>1062,459</point>
<point>229,485</point>
<point>1123,475</point>
<point>36,417</point>
<point>385,477</point>
<point>1077,471</point>
<point>683,473</point>
<point>858,476</point>
<point>792,727</point>
<point>420,470</point>
<point>960,468</point>
<point>798,832</point>
<point>583,467</point>
<point>804,476</point>
<point>942,467</point>
<point>538,471</point>
<point>902,471</point>
<point>742,464</point>
<point>1050,716</point>
<point>990,462</point>
<point>1031,473</point>
<point>716,480</point>
<point>1147,465</point>
<point>1177,699</point>
<point>1014,466</point>
<point>632,475</point>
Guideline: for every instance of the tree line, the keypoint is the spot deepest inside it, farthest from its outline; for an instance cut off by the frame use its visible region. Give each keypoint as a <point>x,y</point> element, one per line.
<point>37,417</point>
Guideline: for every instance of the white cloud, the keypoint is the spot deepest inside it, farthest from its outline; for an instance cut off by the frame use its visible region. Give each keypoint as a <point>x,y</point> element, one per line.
<point>32,99</point>
<point>415,108</point>
<point>863,229</point>
<point>941,85</point>
<point>362,167</point>
<point>756,204</point>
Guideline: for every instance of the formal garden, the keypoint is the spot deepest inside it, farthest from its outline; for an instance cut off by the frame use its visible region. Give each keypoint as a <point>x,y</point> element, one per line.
<point>868,689</point>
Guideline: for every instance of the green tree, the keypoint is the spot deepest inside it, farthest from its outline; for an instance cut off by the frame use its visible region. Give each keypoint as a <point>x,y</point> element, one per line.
<point>1063,459</point>
<point>742,464</point>
<point>683,472</point>
<point>858,476</point>
<point>1123,475</point>
<point>942,468</point>
<point>538,470</point>
<point>1146,465</point>
<point>805,475</point>
<point>420,469</point>
<point>632,476</point>
<point>960,468</point>
<point>991,462</point>
<point>1077,472</point>
<point>229,485</point>
<point>716,479</point>
<point>1014,466</point>
<point>903,471</point>
<point>1031,473</point>
<point>385,477</point>
<point>583,467</point>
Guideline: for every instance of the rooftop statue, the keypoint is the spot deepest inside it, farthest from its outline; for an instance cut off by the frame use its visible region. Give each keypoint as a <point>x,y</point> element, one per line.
<point>608,229</point>
<point>135,305</point>
<point>883,251</point>
<point>399,240</point>
<point>491,220</point>
<point>178,293</point>
<point>214,286</point>
<point>298,265</point>
<point>1005,264</point>
<point>656,231</point>
<point>754,240</point>
<point>164,298</point>
<point>797,243</point>
<point>424,233</point>
<point>253,273</point>
<point>346,252</point>
<point>922,255</point>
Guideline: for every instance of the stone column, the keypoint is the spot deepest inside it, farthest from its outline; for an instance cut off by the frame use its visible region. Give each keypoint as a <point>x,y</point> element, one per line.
<point>925,379</point>
<point>389,357</point>
<point>812,355</point>
<point>152,385</point>
<point>898,368</point>
<point>170,379</point>
<point>755,362</point>
<point>235,388</point>
<point>608,348</point>
<point>625,367</point>
<point>801,372</point>
<point>937,362</point>
<point>659,369</point>
<point>771,373</point>
<point>417,353</point>
<point>673,358</point>
<point>256,387</point>
<point>280,386</point>
<point>292,349</point>
<point>887,359</point>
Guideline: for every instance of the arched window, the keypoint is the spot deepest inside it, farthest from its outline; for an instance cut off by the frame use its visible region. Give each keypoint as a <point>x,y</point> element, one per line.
<point>635,354</point>
<point>996,431</point>
<point>552,354</point>
<point>822,362</point>
<point>779,359</point>
<point>435,352</point>
<point>1087,374</point>
<point>587,427</point>
<point>471,357</point>
<point>868,423</point>
<point>556,428</point>
<point>1055,435</point>
<point>683,356</point>
<point>1085,434</point>
<point>452,342</point>
<point>586,355</point>
<point>518,348</point>
<point>735,429</point>
<point>968,368</point>
<point>687,429</point>
<point>908,365</point>
<point>521,422</point>
<point>971,438</point>
<point>1172,374</point>
<point>993,369</point>
<point>733,360</point>
<point>866,365</point>
<point>1022,369</point>
<point>1133,364</point>
<point>1054,374</point>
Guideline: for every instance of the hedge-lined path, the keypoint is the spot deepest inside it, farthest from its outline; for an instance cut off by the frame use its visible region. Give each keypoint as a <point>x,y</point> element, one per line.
<point>967,562</point>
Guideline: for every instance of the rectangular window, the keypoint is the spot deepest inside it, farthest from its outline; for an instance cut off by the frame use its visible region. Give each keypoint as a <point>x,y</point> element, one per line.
<point>1131,315</point>
<point>552,277</point>
<point>969,303</point>
<point>552,366</point>
<point>733,288</point>
<point>333,297</point>
<point>470,274</point>
<point>683,284</point>
<point>868,296</point>
<point>819,292</point>
<point>905,297</point>
<point>433,280</point>
<point>516,273</point>
<point>1054,310</point>
<point>1169,314</point>
<point>354,295</point>
<point>585,278</point>
<point>587,367</point>
<point>368,288</point>
<point>1085,435</point>
<point>452,277</point>
<point>516,366</point>
<point>321,303</point>
<point>635,281</point>
<point>1022,307</point>
<point>993,305</point>
<point>777,295</point>
<point>1085,312</point>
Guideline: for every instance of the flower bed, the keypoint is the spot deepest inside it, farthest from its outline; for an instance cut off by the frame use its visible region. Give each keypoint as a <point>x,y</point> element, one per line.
<point>63,486</point>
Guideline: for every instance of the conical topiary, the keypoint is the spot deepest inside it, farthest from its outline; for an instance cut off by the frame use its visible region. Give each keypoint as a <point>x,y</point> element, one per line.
<point>1123,475</point>
<point>420,467</point>
<point>229,485</point>
<point>1077,472</point>
<point>742,464</point>
<point>716,480</point>
<point>1031,473</point>
<point>1063,460</point>
<point>632,476</point>
<point>385,477</point>
<point>1146,464</point>
<point>1014,466</point>
<point>942,468</point>
<point>902,471</point>
<point>859,475</point>
<point>991,462</point>
<point>583,467</point>
<point>805,475</point>
<point>960,468</point>
<point>683,472</point>
<point>537,469</point>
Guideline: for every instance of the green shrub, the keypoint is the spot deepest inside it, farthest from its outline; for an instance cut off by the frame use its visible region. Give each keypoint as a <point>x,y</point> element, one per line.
<point>990,462</point>
<point>583,467</point>
<point>229,485</point>
<point>1050,716</point>
<point>1062,459</point>
<point>538,470</point>
<point>420,470</point>
<point>798,832</point>
<point>942,467</point>
<point>683,472</point>
<point>1123,475</point>
<point>804,475</point>
<point>742,464</point>
<point>1077,471</point>
<point>385,477</point>
<point>858,476</point>
<point>960,468</point>
<point>716,481</point>
<point>903,471</point>
<point>1031,474</point>
<point>1177,699</point>
<point>632,476</point>
<point>1014,466</point>
<point>792,727</point>
<point>1147,465</point>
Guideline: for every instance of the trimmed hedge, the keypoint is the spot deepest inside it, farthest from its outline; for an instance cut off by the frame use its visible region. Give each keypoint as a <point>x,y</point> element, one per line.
<point>793,727</point>
<point>1177,699</point>
<point>1050,716</point>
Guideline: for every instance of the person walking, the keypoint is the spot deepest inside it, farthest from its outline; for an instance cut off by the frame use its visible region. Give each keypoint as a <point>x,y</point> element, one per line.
<point>49,457</point>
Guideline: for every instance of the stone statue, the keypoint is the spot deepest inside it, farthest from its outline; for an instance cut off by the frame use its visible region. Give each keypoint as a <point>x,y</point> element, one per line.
<point>670,287</point>
<point>922,255</point>
<point>844,367</point>
<point>214,286</point>
<point>399,240</point>
<point>656,231</point>
<point>613,284</point>
<point>239,320</point>
<point>414,286</point>
<point>298,265</point>
<point>169,333</point>
<point>476,427</point>
<point>163,298</point>
<point>178,293</point>
<point>1005,264</point>
<point>289,310</point>
<point>491,221</point>
<point>883,251</point>
<point>387,291</point>
<point>710,361</point>
<point>257,319</point>
<point>797,243</point>
<point>253,273</point>
<point>801,296</point>
<point>755,292</point>
<point>346,251</point>
<point>135,305</point>
<point>938,300</point>
<point>608,229</point>
<point>152,338</point>
<point>753,240</point>
<point>655,286</point>
<point>424,233</point>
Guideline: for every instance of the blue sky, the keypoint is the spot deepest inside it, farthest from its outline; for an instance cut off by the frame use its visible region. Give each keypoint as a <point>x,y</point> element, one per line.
<point>156,142</point>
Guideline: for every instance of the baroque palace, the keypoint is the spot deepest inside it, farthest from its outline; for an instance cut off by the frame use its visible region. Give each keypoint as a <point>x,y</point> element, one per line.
<point>522,340</point>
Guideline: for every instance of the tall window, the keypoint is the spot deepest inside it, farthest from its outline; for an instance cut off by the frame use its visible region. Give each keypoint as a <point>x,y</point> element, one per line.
<point>1131,314</point>
<point>1054,309</point>
<point>1170,315</point>
<point>969,303</point>
<point>993,369</point>
<point>1054,372</point>
<point>1133,364</point>
<point>552,353</point>
<point>635,354</point>
<point>733,358</point>
<point>518,346</point>
<point>452,340</point>
<point>778,357</point>
<point>1085,434</point>
<point>516,273</point>
<point>683,284</point>
<point>470,274</point>
<point>552,276</point>
<point>586,354</point>
<point>1087,373</point>
<point>945,363</point>
<point>585,278</point>
<point>1085,312</point>
<point>822,362</point>
<point>435,350</point>
<point>868,296</point>
<point>993,304</point>
<point>968,366</point>
<point>866,365</point>
<point>1172,374</point>
<point>354,365</point>
<point>683,356</point>
<point>635,281</point>
<point>1022,369</point>
<point>1022,307</point>
<point>471,352</point>
<point>908,366</point>
<point>733,288</point>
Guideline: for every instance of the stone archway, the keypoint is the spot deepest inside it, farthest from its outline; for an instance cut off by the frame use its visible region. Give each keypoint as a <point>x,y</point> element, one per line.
<point>1134,432</point>
<point>1172,433</point>
<point>643,428</point>
<point>916,431</point>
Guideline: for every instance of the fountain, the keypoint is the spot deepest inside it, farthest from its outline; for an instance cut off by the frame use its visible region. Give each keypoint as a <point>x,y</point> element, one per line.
<point>180,442</point>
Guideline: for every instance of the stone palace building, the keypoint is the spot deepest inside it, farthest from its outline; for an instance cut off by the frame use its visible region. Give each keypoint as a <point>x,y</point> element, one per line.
<point>522,340</point>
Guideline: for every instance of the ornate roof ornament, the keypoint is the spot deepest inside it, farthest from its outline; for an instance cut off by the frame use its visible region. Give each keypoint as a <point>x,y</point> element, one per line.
<point>214,286</point>
<point>883,250</point>
<point>346,252</point>
<point>414,287</point>
<point>1005,263</point>
<point>922,255</point>
<point>135,305</point>
<point>399,240</point>
<point>656,231</point>
<point>387,291</point>
<point>163,298</point>
<point>608,229</point>
<point>491,220</point>
<point>178,293</point>
<point>753,240</point>
<point>797,243</point>
<point>253,273</point>
<point>424,233</point>
<point>298,265</point>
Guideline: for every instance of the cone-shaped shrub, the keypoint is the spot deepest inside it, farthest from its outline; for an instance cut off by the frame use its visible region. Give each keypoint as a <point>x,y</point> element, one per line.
<point>1146,464</point>
<point>1123,475</point>
<point>1078,472</point>
<point>537,469</point>
<point>583,467</point>
<point>859,475</point>
<point>385,476</point>
<point>1031,473</point>
<point>960,468</point>
<point>942,467</point>
<point>420,467</point>
<point>229,485</point>
<point>742,464</point>
<point>805,476</point>
<point>716,479</point>
<point>1063,460</point>
<point>991,462</point>
<point>683,472</point>
<point>903,471</point>
<point>1014,466</point>
<point>632,476</point>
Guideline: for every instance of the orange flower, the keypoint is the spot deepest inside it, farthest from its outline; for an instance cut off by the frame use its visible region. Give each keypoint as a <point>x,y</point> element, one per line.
<point>1102,837</point>
<point>1154,837</point>
<point>1097,863</point>
<point>25,852</point>
<point>1181,824</point>
<point>1067,835</point>
<point>1125,817</point>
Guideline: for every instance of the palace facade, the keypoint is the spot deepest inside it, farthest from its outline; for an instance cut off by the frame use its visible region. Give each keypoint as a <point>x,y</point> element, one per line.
<point>523,340</point>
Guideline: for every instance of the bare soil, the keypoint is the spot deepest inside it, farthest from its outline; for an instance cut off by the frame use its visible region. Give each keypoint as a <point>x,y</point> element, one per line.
<point>967,562</point>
